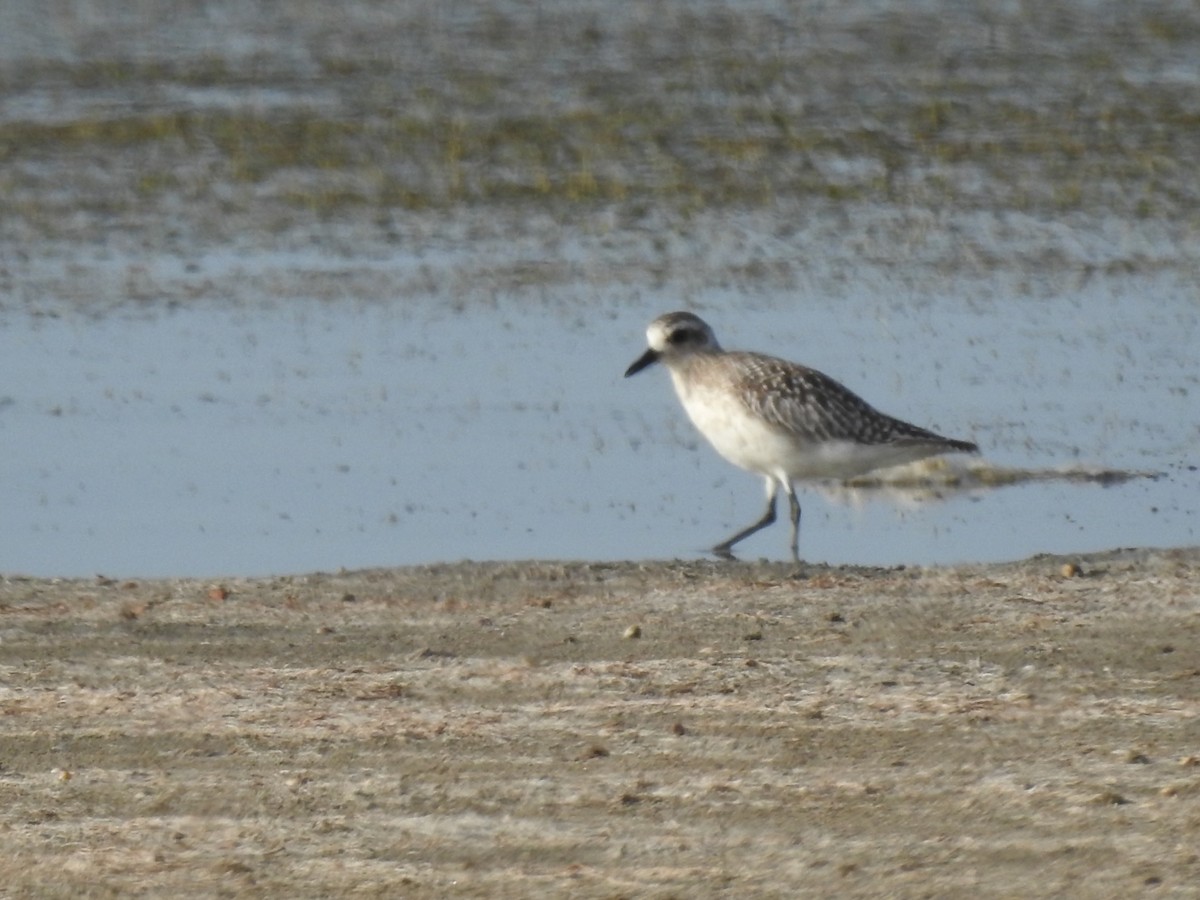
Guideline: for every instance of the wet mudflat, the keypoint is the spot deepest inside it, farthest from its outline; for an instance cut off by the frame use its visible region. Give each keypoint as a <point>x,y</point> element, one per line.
<point>608,730</point>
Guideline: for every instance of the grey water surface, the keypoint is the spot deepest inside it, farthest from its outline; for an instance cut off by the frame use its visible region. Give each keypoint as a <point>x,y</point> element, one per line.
<point>309,435</point>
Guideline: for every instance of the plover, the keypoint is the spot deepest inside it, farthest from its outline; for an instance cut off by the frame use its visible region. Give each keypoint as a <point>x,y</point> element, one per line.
<point>782,420</point>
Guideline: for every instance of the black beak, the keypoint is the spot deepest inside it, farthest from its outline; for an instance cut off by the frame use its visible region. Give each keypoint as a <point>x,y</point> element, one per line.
<point>649,358</point>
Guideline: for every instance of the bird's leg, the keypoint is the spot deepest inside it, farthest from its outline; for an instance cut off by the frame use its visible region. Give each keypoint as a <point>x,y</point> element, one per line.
<point>725,548</point>
<point>794,506</point>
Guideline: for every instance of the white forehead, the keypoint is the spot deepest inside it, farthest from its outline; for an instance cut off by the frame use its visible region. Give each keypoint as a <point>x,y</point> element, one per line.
<point>657,334</point>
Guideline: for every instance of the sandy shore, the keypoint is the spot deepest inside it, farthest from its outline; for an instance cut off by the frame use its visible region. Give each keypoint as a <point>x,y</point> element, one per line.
<point>676,729</point>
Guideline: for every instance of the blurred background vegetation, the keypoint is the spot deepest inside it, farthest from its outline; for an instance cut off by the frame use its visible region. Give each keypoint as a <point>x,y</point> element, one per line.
<point>276,113</point>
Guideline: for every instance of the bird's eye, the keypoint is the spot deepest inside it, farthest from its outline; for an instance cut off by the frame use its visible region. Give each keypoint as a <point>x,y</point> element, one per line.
<point>679,337</point>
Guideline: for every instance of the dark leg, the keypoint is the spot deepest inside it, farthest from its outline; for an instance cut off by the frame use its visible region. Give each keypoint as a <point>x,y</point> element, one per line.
<point>725,548</point>
<point>794,505</point>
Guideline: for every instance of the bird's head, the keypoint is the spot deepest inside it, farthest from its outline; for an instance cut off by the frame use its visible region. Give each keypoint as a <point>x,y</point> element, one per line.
<point>672,336</point>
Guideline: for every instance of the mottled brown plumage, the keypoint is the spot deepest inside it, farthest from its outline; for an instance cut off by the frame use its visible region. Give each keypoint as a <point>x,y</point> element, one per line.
<point>808,404</point>
<point>785,421</point>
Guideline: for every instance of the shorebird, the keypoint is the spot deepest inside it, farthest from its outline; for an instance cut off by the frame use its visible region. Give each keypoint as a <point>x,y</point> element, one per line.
<point>781,420</point>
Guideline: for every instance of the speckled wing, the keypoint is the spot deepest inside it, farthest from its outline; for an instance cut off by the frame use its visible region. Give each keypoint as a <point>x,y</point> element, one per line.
<point>806,403</point>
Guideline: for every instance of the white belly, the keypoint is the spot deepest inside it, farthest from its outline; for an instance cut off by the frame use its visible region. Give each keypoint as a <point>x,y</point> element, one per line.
<point>749,443</point>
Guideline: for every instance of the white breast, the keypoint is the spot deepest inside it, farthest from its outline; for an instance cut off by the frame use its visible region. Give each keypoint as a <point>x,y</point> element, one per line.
<point>748,442</point>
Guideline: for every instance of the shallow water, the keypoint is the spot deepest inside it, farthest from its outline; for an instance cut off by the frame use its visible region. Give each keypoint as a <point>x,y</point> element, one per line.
<point>274,438</point>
